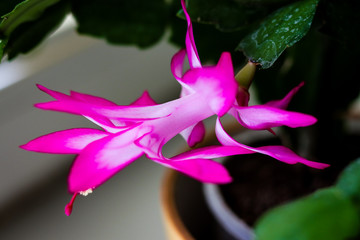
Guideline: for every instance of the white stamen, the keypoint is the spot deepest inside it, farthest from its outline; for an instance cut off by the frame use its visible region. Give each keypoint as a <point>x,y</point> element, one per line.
<point>87,192</point>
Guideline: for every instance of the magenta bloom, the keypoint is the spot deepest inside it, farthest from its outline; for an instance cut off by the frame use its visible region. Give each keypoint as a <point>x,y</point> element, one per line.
<point>144,126</point>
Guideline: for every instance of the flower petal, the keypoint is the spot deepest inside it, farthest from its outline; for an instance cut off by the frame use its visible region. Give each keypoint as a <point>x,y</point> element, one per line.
<point>177,64</point>
<point>192,53</point>
<point>280,153</point>
<point>283,103</point>
<point>216,85</point>
<point>114,112</point>
<point>91,99</point>
<point>96,106</point>
<point>211,152</point>
<point>204,170</point>
<point>286,155</point>
<point>194,134</point>
<point>54,94</point>
<point>144,100</point>
<point>262,117</point>
<point>69,141</point>
<point>101,159</point>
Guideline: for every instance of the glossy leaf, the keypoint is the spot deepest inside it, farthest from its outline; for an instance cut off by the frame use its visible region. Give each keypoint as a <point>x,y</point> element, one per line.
<point>136,22</point>
<point>326,214</point>
<point>280,30</point>
<point>26,11</point>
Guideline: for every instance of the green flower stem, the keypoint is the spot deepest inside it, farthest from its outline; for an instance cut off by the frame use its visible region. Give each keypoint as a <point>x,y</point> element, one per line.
<point>245,76</point>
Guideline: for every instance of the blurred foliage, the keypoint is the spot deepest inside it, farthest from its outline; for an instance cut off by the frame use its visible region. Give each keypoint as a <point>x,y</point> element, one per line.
<point>136,22</point>
<point>311,217</point>
<point>221,25</point>
<point>30,33</point>
<point>29,23</point>
<point>7,6</point>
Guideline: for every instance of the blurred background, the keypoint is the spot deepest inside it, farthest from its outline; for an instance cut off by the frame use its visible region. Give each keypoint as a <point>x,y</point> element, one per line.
<point>33,185</point>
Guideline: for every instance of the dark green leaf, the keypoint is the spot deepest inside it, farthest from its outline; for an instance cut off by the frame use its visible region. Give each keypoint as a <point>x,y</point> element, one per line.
<point>26,11</point>
<point>137,22</point>
<point>7,6</point>
<point>349,181</point>
<point>280,30</point>
<point>2,47</point>
<point>326,214</point>
<point>28,35</point>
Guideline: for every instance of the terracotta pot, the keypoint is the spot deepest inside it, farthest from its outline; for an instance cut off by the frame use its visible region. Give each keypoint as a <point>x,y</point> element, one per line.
<point>174,225</point>
<point>187,215</point>
<point>185,211</point>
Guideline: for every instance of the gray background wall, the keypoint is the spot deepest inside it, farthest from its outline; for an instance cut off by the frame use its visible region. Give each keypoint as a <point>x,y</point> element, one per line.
<point>33,186</point>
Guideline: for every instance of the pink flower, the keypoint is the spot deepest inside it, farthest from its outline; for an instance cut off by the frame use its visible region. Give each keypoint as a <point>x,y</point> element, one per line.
<point>144,127</point>
<point>129,132</point>
<point>141,128</point>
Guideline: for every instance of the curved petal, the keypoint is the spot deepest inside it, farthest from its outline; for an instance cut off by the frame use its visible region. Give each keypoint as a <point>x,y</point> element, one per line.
<point>287,156</point>
<point>91,99</point>
<point>114,112</point>
<point>280,153</point>
<point>194,134</point>
<point>100,160</point>
<point>192,53</point>
<point>283,103</point>
<point>103,122</point>
<point>262,117</point>
<point>211,152</point>
<point>177,64</point>
<point>88,105</point>
<point>65,142</point>
<point>54,94</point>
<point>204,170</point>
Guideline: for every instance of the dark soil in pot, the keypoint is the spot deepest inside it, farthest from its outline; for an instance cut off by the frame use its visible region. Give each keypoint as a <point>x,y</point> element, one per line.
<point>261,183</point>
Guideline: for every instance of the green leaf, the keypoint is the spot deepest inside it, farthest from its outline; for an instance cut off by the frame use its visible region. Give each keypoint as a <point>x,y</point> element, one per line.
<point>7,6</point>
<point>26,11</point>
<point>2,46</point>
<point>137,22</point>
<point>349,181</point>
<point>28,35</point>
<point>280,30</point>
<point>326,214</point>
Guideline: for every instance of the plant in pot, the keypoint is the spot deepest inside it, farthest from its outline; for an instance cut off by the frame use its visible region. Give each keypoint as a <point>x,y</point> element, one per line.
<point>260,183</point>
<point>144,127</point>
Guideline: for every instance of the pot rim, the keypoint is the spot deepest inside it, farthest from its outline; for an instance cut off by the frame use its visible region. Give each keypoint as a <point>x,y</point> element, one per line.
<point>174,225</point>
